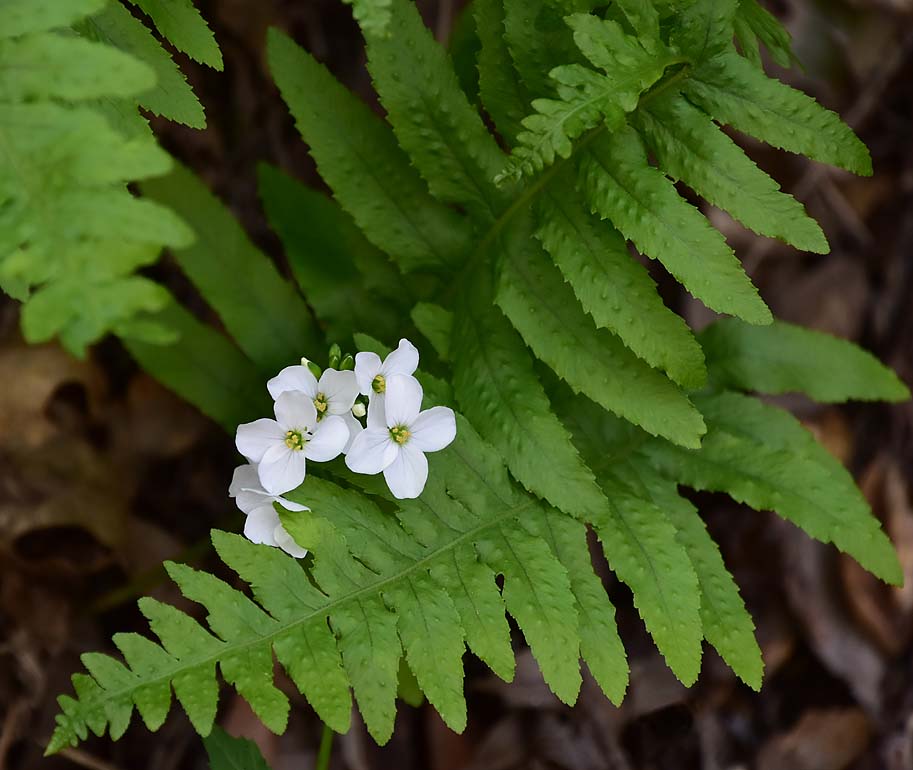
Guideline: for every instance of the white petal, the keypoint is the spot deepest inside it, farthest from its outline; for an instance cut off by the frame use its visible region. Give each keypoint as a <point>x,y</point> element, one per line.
<point>367,367</point>
<point>376,415</point>
<point>328,440</point>
<point>287,543</point>
<point>281,470</point>
<point>341,390</point>
<point>261,524</point>
<point>371,451</point>
<point>407,474</point>
<point>295,411</point>
<point>253,439</point>
<point>354,426</point>
<point>433,429</point>
<point>403,360</point>
<point>402,400</point>
<point>293,378</point>
<point>248,499</point>
<point>245,477</point>
<point>291,506</point>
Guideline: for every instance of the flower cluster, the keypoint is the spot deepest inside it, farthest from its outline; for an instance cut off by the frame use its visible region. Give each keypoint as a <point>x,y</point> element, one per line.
<point>318,417</point>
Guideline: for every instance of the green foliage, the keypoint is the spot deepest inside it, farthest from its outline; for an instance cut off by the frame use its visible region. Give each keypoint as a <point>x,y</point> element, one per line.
<point>72,235</point>
<point>181,24</point>
<point>228,753</point>
<point>584,402</point>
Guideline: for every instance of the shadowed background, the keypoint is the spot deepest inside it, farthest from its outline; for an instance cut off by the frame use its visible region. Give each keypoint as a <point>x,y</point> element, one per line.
<point>103,473</point>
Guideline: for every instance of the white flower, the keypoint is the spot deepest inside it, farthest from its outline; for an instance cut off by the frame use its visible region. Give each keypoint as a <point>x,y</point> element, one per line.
<point>263,524</point>
<point>398,435</point>
<point>280,446</point>
<point>371,373</point>
<point>333,394</point>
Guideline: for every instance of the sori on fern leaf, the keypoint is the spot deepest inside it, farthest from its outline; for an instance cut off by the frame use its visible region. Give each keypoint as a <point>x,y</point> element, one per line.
<point>567,397</point>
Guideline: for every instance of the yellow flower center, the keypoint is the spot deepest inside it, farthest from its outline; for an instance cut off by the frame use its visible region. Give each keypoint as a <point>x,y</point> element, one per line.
<point>400,434</point>
<point>321,405</point>
<point>294,440</point>
<point>379,384</point>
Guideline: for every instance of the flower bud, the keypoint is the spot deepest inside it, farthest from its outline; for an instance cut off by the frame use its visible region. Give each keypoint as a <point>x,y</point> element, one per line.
<point>358,409</point>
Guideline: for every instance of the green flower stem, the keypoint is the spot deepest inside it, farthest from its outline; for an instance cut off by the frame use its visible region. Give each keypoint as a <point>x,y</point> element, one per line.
<point>326,746</point>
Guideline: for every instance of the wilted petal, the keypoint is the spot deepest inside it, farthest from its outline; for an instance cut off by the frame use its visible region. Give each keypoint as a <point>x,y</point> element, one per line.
<point>330,437</point>
<point>367,367</point>
<point>402,400</point>
<point>261,525</point>
<point>281,470</point>
<point>371,451</point>
<point>295,411</point>
<point>287,543</point>
<point>253,439</point>
<point>293,378</point>
<point>433,429</point>
<point>403,360</point>
<point>341,390</point>
<point>407,474</point>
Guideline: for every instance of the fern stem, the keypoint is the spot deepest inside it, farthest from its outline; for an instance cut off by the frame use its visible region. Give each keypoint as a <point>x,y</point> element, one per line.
<point>326,747</point>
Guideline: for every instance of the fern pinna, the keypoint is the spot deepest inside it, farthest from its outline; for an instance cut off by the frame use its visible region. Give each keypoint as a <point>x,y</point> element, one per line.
<point>584,401</point>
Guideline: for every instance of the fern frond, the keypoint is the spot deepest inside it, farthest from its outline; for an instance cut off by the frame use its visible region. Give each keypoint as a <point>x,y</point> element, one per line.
<point>737,94</point>
<point>784,358</point>
<point>360,160</point>
<point>586,98</point>
<point>348,281</point>
<point>644,205</point>
<point>372,15</point>
<point>500,89</point>
<point>544,310</point>
<point>755,23</point>
<point>171,96</point>
<point>377,586</point>
<point>269,320</point>
<point>23,17</point>
<point>433,120</point>
<point>689,147</point>
<point>181,24</point>
<point>762,456</point>
<point>612,287</point>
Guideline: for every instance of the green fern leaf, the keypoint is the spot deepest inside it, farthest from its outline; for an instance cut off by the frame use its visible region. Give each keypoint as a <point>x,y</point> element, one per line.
<point>763,456</point>
<point>23,17</point>
<point>263,313</point>
<point>228,753</point>
<point>373,16</point>
<point>348,281</point>
<point>171,97</point>
<point>623,188</point>
<point>537,592</point>
<point>757,23</point>
<point>612,287</point>
<point>204,368</point>
<point>431,116</point>
<point>368,172</point>
<point>725,621</point>
<point>736,93</point>
<point>51,66</point>
<point>784,358</point>
<point>181,24</point>
<point>500,89</point>
<point>436,324</point>
<point>689,147</point>
<point>538,39</point>
<point>544,310</point>
<point>600,645</point>
<point>498,390</point>
<point>703,28</point>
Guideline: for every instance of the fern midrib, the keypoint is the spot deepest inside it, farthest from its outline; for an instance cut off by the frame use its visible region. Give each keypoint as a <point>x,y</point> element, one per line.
<point>230,649</point>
